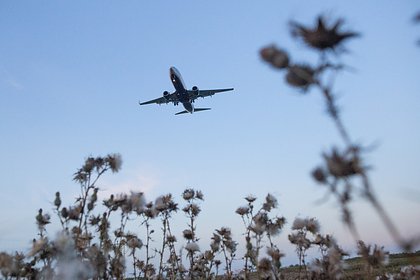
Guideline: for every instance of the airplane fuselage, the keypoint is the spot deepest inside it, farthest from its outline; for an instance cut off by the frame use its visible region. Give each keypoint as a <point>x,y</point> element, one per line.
<point>183,95</point>
<point>180,89</point>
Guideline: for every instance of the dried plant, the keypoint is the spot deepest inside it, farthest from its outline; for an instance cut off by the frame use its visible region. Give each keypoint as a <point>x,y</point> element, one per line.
<point>259,225</point>
<point>341,166</point>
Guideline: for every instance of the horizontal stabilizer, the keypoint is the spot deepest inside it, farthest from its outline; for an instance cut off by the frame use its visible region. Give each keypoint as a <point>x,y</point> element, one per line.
<point>201,109</point>
<point>182,112</point>
<point>195,110</point>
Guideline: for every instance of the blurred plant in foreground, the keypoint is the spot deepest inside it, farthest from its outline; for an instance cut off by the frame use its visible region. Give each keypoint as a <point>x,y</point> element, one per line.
<point>343,169</point>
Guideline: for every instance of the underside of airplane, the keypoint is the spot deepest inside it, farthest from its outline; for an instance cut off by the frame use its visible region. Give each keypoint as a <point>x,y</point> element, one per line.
<point>183,95</point>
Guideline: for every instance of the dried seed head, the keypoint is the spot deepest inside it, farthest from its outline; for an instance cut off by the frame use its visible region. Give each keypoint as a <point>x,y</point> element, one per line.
<point>214,247</point>
<point>38,246</point>
<point>250,198</point>
<point>264,265</point>
<point>57,201</point>
<point>188,234</point>
<point>270,203</point>
<point>199,195</point>
<point>192,247</point>
<point>42,219</point>
<point>243,210</point>
<point>342,164</point>
<point>312,225</point>
<point>322,37</point>
<point>230,245</point>
<point>319,175</point>
<point>274,227</point>
<point>94,220</point>
<point>195,209</point>
<point>134,242</point>
<point>64,212</point>
<point>137,202</point>
<point>298,224</point>
<point>301,76</point>
<point>74,212</point>
<point>165,203</point>
<point>114,161</point>
<point>171,239</point>
<point>224,231</point>
<point>274,253</point>
<point>300,240</point>
<point>188,194</point>
<point>278,58</point>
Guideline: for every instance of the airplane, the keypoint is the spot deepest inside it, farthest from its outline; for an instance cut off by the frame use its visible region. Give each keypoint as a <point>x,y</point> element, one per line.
<point>183,95</point>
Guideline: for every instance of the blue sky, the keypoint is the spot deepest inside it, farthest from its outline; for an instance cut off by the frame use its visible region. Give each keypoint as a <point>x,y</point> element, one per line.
<point>72,73</point>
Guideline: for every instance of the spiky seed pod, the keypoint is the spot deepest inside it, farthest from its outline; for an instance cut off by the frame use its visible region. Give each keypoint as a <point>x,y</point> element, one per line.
<point>250,198</point>
<point>57,201</point>
<point>270,203</point>
<point>114,161</point>
<point>199,195</point>
<point>278,58</point>
<point>171,239</point>
<point>243,210</point>
<point>342,165</point>
<point>188,194</point>
<point>319,175</point>
<point>312,225</point>
<point>64,212</point>
<point>134,243</point>
<point>90,206</point>
<point>274,227</point>
<point>188,234</point>
<point>322,37</point>
<point>215,246</point>
<point>42,219</point>
<point>301,76</point>
<point>298,224</point>
<point>89,165</point>
<point>94,220</point>
<point>230,245</point>
<point>94,196</point>
<point>195,209</point>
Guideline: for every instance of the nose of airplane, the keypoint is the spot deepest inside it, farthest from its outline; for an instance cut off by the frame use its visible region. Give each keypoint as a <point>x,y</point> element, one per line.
<point>174,71</point>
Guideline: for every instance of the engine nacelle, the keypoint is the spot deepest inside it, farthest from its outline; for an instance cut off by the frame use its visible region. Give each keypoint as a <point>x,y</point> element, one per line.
<point>195,90</point>
<point>166,94</point>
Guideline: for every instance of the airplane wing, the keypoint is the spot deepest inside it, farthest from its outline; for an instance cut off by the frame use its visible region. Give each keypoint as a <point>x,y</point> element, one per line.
<point>206,92</point>
<point>161,100</point>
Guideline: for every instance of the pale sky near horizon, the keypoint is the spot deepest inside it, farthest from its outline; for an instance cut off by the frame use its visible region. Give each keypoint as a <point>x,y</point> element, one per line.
<point>72,73</point>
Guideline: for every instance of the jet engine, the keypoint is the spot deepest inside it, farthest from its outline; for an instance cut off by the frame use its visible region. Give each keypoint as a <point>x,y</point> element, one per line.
<point>195,90</point>
<point>166,94</point>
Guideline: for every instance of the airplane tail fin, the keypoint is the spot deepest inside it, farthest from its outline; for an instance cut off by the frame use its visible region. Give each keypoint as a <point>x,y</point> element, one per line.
<point>195,110</point>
